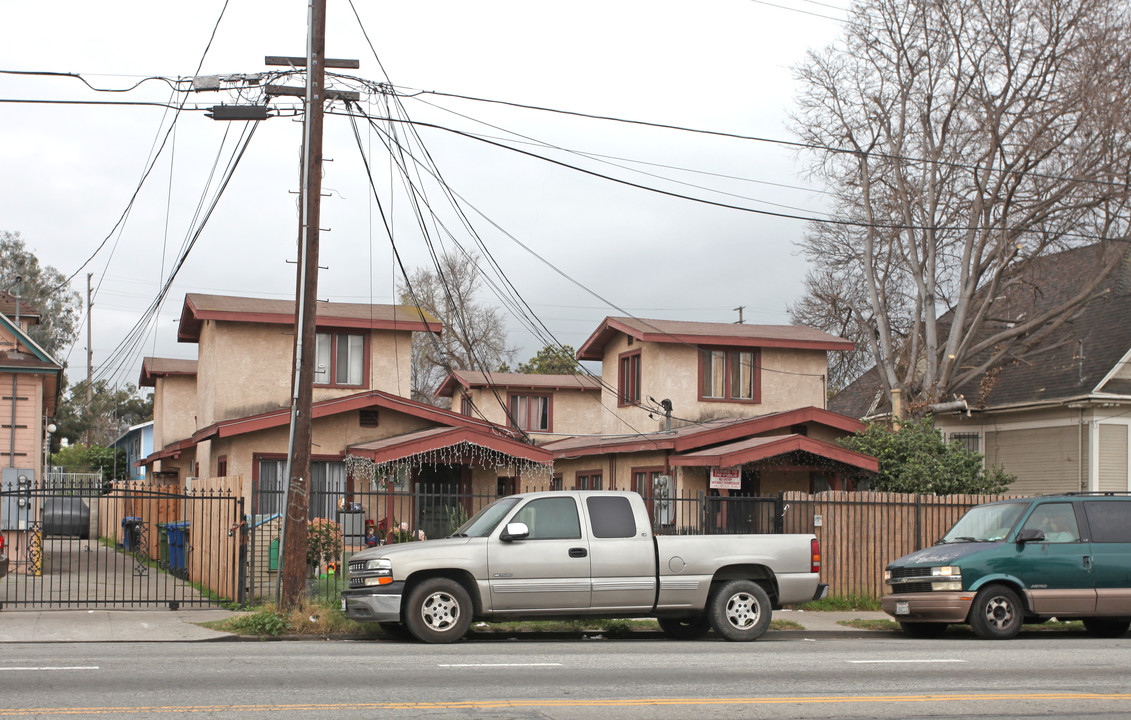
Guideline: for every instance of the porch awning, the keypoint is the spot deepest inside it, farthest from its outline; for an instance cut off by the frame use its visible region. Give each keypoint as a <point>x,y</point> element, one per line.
<point>452,439</point>
<point>763,448</point>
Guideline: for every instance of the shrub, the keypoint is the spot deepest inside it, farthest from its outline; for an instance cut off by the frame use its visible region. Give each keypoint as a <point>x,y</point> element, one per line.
<point>323,541</point>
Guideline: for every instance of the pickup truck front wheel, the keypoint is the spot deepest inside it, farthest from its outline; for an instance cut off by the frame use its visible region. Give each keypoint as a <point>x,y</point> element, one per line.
<point>438,611</point>
<point>739,610</point>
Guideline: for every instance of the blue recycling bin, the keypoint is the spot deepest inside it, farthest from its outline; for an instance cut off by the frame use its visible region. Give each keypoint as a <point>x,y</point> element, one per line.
<point>178,537</point>
<point>131,533</point>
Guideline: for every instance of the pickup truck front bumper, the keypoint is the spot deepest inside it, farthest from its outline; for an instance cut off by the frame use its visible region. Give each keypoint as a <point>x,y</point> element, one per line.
<point>377,604</point>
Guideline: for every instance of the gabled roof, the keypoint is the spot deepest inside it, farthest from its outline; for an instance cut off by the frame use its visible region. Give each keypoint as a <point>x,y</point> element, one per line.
<point>762,448</point>
<point>796,337</point>
<point>199,307</point>
<point>34,360</point>
<point>155,367</point>
<point>469,379</point>
<point>1073,362</point>
<point>422,441</point>
<point>324,408</point>
<point>701,435</point>
<point>8,303</point>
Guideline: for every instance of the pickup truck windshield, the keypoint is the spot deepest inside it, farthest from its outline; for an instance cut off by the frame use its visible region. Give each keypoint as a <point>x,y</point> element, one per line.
<point>986,523</point>
<point>483,522</point>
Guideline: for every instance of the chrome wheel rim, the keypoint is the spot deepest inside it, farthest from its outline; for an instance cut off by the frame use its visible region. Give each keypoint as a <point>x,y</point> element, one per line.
<point>440,611</point>
<point>999,613</point>
<point>743,611</point>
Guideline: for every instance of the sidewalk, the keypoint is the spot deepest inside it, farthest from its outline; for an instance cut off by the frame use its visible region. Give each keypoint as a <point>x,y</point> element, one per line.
<point>57,626</point>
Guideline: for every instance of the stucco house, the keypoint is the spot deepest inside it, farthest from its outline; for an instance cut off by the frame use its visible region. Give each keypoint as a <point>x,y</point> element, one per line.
<point>137,443</point>
<point>1060,417</point>
<point>227,412</point>
<point>30,384</point>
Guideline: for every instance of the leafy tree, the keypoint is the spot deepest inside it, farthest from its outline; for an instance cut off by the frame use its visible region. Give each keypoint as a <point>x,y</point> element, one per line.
<point>474,336</point>
<point>916,459</point>
<point>97,458</point>
<point>962,141</point>
<point>110,413</point>
<point>43,288</point>
<point>552,360</point>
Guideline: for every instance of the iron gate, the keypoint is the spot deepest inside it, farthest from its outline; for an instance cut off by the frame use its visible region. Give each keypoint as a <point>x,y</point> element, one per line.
<point>80,542</point>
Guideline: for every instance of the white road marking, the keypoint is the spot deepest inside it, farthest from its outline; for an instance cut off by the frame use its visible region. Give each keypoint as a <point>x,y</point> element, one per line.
<point>895,662</point>
<point>461,665</point>
<point>56,667</point>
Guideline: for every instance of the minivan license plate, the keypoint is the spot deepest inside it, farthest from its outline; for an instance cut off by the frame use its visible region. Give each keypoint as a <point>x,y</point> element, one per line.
<point>902,608</point>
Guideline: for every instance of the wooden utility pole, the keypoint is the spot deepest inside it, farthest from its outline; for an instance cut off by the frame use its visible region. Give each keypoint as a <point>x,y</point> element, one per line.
<point>298,455</point>
<point>89,361</point>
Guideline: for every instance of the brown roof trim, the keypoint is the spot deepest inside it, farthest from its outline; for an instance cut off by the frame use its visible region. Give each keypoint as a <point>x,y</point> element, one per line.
<point>768,423</point>
<point>468,379</point>
<point>200,307</point>
<point>402,446</point>
<point>796,337</point>
<point>155,367</point>
<point>762,448</point>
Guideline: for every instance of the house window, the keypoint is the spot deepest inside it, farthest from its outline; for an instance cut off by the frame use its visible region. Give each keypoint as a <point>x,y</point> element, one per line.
<point>556,482</point>
<point>530,412</point>
<point>465,405</point>
<point>729,374</point>
<point>327,486</point>
<point>588,480</point>
<point>506,486</point>
<point>222,466</point>
<point>628,379</point>
<point>968,440</point>
<point>339,359</point>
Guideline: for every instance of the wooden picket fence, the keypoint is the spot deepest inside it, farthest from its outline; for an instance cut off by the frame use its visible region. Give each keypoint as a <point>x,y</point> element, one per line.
<point>861,532</point>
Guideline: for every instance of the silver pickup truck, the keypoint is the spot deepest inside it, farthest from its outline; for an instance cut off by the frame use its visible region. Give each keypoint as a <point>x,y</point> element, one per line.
<point>581,554</point>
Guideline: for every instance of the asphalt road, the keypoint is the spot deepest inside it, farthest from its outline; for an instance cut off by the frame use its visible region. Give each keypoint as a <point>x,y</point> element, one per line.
<point>891,677</point>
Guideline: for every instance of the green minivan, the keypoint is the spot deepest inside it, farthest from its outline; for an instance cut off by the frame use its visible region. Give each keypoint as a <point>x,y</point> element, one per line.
<point>1016,561</point>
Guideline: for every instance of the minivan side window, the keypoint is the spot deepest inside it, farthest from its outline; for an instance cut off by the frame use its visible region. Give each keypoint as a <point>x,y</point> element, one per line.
<point>1110,521</point>
<point>1056,520</point>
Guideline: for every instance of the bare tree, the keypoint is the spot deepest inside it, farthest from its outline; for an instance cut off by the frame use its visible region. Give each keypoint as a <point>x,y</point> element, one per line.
<point>474,336</point>
<point>963,140</point>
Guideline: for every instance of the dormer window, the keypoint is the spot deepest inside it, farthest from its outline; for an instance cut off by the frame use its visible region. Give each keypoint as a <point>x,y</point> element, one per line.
<point>729,374</point>
<point>339,359</point>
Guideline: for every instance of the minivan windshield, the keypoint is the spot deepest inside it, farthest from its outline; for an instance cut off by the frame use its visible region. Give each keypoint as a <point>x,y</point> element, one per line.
<point>985,523</point>
<point>483,522</point>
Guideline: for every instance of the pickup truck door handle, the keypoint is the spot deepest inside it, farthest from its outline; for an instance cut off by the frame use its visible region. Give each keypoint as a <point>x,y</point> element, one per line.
<point>578,552</point>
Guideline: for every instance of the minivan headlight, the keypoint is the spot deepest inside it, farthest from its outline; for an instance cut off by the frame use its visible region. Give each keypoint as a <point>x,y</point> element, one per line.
<point>946,571</point>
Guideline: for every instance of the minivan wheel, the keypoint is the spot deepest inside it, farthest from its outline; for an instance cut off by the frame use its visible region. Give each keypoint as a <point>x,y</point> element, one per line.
<point>997,613</point>
<point>923,630</point>
<point>1106,627</point>
<point>438,611</point>
<point>739,610</point>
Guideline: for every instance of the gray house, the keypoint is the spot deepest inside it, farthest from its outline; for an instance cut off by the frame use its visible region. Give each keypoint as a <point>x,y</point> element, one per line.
<point>1058,417</point>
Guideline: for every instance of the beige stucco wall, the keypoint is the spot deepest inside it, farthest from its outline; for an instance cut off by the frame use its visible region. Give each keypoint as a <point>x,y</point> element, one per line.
<point>789,379</point>
<point>174,409</point>
<point>246,368</point>
<point>573,412</point>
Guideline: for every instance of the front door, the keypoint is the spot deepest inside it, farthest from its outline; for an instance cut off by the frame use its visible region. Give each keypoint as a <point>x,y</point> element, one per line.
<point>439,511</point>
<point>548,570</point>
<point>1057,573</point>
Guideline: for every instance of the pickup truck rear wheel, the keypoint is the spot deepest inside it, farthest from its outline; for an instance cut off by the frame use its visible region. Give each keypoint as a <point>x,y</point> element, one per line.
<point>689,628</point>
<point>739,610</point>
<point>438,611</point>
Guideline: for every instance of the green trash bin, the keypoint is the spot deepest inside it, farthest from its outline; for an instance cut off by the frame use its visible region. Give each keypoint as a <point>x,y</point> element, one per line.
<point>163,542</point>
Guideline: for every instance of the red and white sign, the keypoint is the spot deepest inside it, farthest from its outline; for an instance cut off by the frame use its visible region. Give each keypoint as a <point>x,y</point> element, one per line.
<point>726,478</point>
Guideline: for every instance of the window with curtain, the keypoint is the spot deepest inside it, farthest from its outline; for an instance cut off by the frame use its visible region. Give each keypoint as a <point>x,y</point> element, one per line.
<point>530,412</point>
<point>729,374</point>
<point>327,487</point>
<point>339,359</point>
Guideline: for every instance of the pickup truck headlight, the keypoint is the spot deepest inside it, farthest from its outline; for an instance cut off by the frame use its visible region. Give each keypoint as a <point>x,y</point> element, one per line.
<point>378,564</point>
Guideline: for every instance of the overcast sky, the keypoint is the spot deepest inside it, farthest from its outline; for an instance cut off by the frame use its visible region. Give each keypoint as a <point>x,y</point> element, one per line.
<point>69,170</point>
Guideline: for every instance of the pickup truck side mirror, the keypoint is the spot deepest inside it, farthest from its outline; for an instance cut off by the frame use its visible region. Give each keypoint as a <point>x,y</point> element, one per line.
<point>515,531</point>
<point>1030,535</point>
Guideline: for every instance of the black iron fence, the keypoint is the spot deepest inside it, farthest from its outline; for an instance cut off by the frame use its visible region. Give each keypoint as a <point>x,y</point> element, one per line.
<point>79,542</point>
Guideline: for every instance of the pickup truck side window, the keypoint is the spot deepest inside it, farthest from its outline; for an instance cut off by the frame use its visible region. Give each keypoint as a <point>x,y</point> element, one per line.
<point>611,517</point>
<point>550,519</point>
